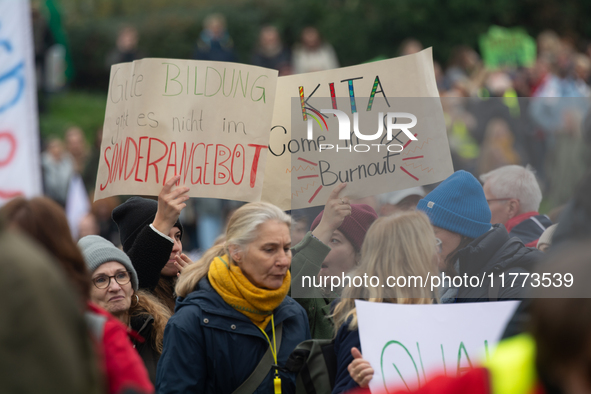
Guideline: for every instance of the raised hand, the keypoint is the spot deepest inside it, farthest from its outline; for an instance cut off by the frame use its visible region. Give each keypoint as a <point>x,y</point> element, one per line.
<point>335,211</point>
<point>170,204</point>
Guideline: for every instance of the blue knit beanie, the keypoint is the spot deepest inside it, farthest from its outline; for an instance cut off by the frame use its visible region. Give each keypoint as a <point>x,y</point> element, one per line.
<point>458,205</point>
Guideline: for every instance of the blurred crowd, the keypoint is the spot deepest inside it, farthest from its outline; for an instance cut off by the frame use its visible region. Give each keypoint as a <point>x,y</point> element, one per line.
<point>177,295</point>
<point>533,115</point>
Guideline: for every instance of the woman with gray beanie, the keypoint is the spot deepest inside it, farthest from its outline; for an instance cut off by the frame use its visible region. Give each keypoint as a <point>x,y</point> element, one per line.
<point>151,236</point>
<point>115,289</point>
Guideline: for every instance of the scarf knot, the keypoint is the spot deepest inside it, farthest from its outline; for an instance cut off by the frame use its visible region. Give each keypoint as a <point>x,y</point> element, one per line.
<point>237,291</point>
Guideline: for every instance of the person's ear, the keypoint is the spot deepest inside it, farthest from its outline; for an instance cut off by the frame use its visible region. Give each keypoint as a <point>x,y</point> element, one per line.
<point>513,208</point>
<point>235,253</point>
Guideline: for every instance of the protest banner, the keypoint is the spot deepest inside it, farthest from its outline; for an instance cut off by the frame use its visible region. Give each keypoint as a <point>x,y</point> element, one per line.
<point>20,172</point>
<point>501,46</point>
<point>408,344</point>
<point>207,121</point>
<point>397,97</point>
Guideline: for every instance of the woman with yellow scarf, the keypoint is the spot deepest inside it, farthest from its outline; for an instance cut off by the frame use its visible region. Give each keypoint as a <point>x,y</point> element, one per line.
<point>234,326</point>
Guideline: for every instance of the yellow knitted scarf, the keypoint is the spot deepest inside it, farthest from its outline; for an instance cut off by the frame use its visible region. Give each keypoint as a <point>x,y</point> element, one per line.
<point>237,291</point>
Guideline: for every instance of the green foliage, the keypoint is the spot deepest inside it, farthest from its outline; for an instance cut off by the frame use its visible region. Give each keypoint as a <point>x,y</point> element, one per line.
<point>171,33</point>
<point>73,108</point>
<point>90,43</point>
<point>358,29</point>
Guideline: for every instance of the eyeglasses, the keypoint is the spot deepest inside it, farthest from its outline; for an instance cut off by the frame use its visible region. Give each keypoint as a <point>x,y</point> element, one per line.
<point>104,281</point>
<point>500,199</point>
<point>438,246</point>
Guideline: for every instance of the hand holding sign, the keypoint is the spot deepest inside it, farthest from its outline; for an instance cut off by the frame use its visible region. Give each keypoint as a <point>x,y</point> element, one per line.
<point>170,204</point>
<point>360,369</point>
<point>335,211</point>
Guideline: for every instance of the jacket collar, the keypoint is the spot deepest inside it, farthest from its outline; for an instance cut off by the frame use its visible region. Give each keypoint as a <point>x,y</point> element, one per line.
<point>514,221</point>
<point>139,323</point>
<point>476,257</point>
<point>211,302</point>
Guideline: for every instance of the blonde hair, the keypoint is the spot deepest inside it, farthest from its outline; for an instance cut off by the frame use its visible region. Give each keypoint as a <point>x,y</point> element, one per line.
<point>149,304</point>
<point>241,231</point>
<point>398,245</point>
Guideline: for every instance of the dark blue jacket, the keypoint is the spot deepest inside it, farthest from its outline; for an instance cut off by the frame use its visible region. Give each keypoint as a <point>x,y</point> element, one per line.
<point>209,347</point>
<point>528,227</point>
<point>343,342</point>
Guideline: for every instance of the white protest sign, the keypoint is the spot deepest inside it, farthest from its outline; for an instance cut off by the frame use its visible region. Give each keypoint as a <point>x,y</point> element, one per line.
<point>395,101</point>
<point>207,121</point>
<point>20,172</point>
<point>407,344</point>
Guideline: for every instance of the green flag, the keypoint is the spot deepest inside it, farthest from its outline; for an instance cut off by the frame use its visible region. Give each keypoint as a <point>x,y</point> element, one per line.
<point>507,47</point>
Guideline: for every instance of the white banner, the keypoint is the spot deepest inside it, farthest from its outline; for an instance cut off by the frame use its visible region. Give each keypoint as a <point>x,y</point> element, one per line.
<point>407,344</point>
<point>20,172</point>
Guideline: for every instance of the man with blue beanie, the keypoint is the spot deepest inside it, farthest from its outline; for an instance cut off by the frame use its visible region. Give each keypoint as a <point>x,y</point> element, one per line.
<point>471,246</point>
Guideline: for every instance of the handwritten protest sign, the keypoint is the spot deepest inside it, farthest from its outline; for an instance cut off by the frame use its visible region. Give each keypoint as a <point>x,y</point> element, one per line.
<point>207,121</point>
<point>395,99</point>
<point>407,344</point>
<point>19,135</point>
<point>507,47</point>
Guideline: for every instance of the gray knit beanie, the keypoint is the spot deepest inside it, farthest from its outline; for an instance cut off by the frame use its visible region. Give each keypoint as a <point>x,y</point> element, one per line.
<point>98,251</point>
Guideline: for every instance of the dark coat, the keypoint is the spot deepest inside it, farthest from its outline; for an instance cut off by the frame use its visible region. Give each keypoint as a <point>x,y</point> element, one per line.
<point>276,62</point>
<point>214,49</point>
<point>209,347</point>
<point>344,341</point>
<point>149,254</point>
<point>495,252</point>
<point>144,326</point>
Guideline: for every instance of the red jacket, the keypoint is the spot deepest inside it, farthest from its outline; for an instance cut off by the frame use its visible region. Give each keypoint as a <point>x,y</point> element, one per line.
<point>122,365</point>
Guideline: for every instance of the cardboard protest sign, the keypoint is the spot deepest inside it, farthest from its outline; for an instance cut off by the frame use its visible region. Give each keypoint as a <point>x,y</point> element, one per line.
<point>507,47</point>
<point>388,133</point>
<point>20,170</point>
<point>407,344</point>
<point>207,121</point>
